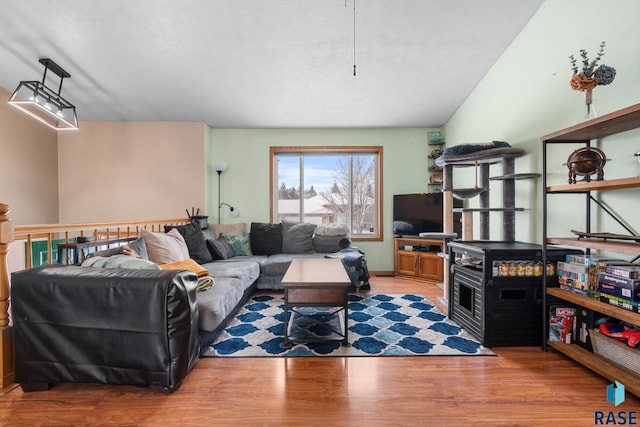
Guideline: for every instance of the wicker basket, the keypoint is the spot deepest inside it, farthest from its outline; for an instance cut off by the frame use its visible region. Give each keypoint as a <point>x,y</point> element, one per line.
<point>615,351</point>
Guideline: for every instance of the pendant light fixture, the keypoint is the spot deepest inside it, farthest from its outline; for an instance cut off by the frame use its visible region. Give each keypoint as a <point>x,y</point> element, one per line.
<point>40,102</point>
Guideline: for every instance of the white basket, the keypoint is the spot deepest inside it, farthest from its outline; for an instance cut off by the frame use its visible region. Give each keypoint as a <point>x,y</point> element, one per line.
<point>615,351</point>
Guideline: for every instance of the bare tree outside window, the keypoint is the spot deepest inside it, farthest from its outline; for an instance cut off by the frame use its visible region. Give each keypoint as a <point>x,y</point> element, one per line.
<point>325,185</point>
<point>351,193</point>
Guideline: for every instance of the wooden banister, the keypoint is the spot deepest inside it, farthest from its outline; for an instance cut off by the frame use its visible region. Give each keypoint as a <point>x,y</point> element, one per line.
<point>99,231</point>
<point>7,236</point>
<point>106,230</point>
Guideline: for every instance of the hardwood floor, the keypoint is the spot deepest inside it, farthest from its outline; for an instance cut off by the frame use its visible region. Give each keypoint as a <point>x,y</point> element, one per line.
<point>521,386</point>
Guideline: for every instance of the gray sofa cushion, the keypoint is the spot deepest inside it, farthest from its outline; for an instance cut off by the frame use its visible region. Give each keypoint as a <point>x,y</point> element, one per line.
<point>327,244</point>
<point>217,302</point>
<point>247,271</point>
<point>297,237</point>
<point>277,265</point>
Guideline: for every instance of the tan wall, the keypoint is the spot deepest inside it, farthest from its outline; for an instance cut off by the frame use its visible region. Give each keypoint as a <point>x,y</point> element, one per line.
<point>130,170</point>
<point>28,166</point>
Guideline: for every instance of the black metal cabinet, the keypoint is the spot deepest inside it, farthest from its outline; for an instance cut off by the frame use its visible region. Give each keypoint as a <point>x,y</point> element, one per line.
<point>499,307</point>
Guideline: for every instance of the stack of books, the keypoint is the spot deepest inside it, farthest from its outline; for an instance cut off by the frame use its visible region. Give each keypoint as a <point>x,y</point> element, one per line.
<point>578,273</point>
<point>619,285</point>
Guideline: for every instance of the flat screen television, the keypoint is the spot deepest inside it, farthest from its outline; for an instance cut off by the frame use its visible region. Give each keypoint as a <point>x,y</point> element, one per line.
<point>422,213</point>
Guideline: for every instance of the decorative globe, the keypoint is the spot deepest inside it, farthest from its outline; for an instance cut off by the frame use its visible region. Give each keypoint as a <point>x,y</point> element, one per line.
<point>585,162</point>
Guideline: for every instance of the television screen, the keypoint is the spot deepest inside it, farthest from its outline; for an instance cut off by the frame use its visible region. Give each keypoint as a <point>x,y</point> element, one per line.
<point>422,213</point>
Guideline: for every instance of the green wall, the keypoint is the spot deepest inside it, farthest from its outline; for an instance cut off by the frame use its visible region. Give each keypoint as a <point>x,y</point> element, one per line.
<point>526,94</point>
<point>245,184</point>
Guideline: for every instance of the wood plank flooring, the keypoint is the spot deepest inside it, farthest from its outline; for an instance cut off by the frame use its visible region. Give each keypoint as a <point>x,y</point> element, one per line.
<point>521,386</point>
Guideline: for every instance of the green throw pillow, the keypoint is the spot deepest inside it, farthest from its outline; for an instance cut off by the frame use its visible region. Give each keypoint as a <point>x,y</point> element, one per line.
<point>240,244</point>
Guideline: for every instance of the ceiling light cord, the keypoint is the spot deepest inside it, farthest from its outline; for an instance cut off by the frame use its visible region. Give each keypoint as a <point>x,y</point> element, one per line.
<point>354,37</point>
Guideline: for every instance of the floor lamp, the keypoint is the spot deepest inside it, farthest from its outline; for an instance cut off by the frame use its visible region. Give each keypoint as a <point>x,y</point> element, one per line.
<point>219,167</point>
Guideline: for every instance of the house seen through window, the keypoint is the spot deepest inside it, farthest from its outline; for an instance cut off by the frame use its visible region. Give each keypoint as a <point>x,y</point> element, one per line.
<point>328,185</point>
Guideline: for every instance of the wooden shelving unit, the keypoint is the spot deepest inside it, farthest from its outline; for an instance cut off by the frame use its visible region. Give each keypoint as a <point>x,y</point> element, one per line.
<point>607,125</point>
<point>420,262</point>
<point>605,245</point>
<point>609,184</point>
<point>593,304</point>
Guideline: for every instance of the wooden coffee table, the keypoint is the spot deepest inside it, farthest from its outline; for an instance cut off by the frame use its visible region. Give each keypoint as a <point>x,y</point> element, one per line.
<point>316,282</point>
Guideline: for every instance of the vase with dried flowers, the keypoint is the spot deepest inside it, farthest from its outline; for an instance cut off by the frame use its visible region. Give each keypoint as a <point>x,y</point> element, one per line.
<point>591,74</point>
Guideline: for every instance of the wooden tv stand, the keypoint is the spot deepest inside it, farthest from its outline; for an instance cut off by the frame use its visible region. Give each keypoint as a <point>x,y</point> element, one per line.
<point>417,258</point>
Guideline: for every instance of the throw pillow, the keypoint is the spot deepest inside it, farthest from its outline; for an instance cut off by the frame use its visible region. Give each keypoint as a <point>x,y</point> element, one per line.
<point>327,237</point>
<point>327,244</point>
<point>228,229</point>
<point>297,237</point>
<point>195,241</point>
<point>220,249</point>
<point>331,230</point>
<point>136,246</point>
<point>164,248</point>
<point>266,239</point>
<point>139,247</point>
<point>240,244</point>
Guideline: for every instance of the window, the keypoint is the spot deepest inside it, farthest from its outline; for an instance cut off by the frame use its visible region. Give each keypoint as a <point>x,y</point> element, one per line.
<point>326,185</point>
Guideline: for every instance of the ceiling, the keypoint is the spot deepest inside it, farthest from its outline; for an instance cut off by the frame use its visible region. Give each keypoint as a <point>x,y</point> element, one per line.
<point>259,63</point>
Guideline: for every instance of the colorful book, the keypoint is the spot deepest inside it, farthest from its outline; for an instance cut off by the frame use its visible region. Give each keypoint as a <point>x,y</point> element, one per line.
<point>612,279</point>
<point>561,323</point>
<point>621,287</point>
<point>619,302</point>
<point>579,260</point>
<point>626,271</point>
<point>581,277</point>
<point>573,268</point>
<point>573,283</point>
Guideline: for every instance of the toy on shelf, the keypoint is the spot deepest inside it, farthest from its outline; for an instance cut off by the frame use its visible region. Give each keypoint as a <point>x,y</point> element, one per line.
<point>623,333</point>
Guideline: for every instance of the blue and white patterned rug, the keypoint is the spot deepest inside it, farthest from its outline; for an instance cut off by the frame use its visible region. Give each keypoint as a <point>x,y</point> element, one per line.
<point>379,325</point>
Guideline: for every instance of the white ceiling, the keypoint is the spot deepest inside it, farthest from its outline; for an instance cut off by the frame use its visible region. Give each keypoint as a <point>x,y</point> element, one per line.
<point>261,63</point>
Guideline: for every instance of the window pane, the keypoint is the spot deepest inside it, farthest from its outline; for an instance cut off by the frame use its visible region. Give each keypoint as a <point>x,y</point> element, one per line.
<point>288,192</point>
<point>324,187</point>
<point>363,194</point>
<point>320,173</point>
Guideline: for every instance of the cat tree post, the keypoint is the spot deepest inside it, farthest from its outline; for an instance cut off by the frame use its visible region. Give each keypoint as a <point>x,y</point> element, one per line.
<point>508,200</point>
<point>447,224</point>
<point>484,202</point>
<point>7,236</point>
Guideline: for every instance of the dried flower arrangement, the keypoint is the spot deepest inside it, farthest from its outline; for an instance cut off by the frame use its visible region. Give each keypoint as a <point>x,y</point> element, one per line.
<point>591,74</point>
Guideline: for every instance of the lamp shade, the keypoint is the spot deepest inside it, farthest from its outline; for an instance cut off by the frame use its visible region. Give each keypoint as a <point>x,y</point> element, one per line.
<point>218,166</point>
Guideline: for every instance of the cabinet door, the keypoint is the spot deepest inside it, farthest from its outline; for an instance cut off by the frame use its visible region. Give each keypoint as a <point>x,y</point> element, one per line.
<point>407,263</point>
<point>430,266</point>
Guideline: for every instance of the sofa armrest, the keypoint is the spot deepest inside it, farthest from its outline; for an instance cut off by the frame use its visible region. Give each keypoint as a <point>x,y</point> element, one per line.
<point>110,326</point>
